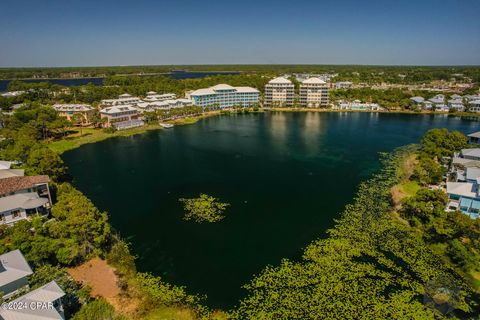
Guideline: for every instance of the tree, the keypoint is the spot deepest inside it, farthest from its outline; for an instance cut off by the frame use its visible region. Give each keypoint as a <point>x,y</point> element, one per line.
<point>42,160</point>
<point>98,309</point>
<point>205,208</point>
<point>84,227</point>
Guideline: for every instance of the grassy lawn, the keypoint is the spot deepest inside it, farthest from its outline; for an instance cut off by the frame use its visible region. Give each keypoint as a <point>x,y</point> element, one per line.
<point>409,188</point>
<point>90,135</point>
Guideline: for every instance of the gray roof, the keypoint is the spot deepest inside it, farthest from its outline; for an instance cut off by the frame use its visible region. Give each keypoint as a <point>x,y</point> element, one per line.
<point>47,293</point>
<point>472,173</point>
<point>27,200</point>
<point>13,266</point>
<point>474,134</point>
<point>436,100</point>
<point>475,152</point>
<point>7,173</point>
<point>5,164</point>
<point>417,99</point>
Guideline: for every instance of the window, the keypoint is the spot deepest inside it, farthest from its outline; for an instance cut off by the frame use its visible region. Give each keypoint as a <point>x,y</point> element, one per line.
<point>15,213</point>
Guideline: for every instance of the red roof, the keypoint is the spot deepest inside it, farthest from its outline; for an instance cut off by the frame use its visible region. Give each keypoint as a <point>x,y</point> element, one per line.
<point>13,184</point>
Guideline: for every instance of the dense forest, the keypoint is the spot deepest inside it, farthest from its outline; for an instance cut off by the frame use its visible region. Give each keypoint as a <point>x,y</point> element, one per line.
<point>355,73</point>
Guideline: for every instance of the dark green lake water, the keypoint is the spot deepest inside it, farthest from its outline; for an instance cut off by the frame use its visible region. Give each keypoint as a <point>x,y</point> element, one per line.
<point>286,176</point>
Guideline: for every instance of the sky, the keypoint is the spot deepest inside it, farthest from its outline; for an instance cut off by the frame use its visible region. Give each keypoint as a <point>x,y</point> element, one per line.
<point>145,32</point>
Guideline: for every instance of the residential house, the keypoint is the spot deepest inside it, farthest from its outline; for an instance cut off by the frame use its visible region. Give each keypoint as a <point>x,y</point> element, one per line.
<point>313,93</point>
<point>456,104</point>
<point>463,187</point>
<point>42,303</point>
<point>14,270</point>
<point>474,106</point>
<point>69,110</point>
<point>417,100</point>
<point>279,92</point>
<point>121,117</point>
<point>224,96</point>
<point>22,196</point>
<point>474,137</point>
<point>357,105</point>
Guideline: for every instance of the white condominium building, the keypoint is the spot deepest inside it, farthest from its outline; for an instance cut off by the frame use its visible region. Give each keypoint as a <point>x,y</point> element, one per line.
<point>279,92</point>
<point>123,99</point>
<point>152,96</point>
<point>224,96</point>
<point>313,93</point>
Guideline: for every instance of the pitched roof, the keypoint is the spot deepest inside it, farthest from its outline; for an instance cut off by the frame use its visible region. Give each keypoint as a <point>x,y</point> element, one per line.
<point>45,294</point>
<point>72,107</point>
<point>280,80</point>
<point>118,109</point>
<point>6,173</point>
<point>418,99</point>
<point>13,266</point>
<point>223,86</point>
<point>24,200</point>
<point>12,184</point>
<point>5,164</point>
<point>475,152</point>
<point>314,80</point>
<point>474,134</point>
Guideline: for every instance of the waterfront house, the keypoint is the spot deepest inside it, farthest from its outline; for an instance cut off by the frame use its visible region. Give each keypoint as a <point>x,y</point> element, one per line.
<point>474,106</point>
<point>22,196</point>
<point>357,105</point>
<point>69,110</point>
<point>417,99</point>
<point>224,96</point>
<point>313,93</point>
<point>121,117</point>
<point>14,270</point>
<point>438,99</point>
<point>279,92</point>
<point>42,303</point>
<point>441,107</point>
<point>464,197</point>
<point>474,137</point>
<point>471,154</point>
<point>456,104</point>
<point>123,99</point>
<point>427,105</point>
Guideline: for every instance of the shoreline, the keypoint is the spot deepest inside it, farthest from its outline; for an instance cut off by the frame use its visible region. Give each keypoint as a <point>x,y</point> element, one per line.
<point>93,135</point>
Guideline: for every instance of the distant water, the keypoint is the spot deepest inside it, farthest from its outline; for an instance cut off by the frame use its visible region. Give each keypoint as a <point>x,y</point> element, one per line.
<point>287,177</point>
<point>99,81</point>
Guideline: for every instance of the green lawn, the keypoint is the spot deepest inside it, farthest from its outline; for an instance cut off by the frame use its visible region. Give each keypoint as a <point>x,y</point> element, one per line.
<point>409,188</point>
<point>89,135</point>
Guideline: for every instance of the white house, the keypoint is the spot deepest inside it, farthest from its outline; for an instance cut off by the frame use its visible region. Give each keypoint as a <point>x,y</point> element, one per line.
<point>121,117</point>
<point>14,270</point>
<point>22,196</point>
<point>42,303</point>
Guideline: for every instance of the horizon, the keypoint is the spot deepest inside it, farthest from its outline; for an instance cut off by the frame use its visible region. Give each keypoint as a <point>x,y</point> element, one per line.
<point>151,33</point>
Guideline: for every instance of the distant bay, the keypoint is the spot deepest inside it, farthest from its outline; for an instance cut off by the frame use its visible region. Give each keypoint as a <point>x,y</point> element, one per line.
<point>99,81</point>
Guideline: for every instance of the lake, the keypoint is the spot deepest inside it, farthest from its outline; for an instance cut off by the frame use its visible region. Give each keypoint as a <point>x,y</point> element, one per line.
<point>286,176</point>
<point>99,81</point>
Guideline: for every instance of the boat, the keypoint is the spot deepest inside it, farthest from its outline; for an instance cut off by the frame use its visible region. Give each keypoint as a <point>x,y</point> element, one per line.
<point>166,125</point>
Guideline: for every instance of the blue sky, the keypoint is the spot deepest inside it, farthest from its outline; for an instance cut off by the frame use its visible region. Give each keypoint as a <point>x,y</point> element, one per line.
<point>137,32</point>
